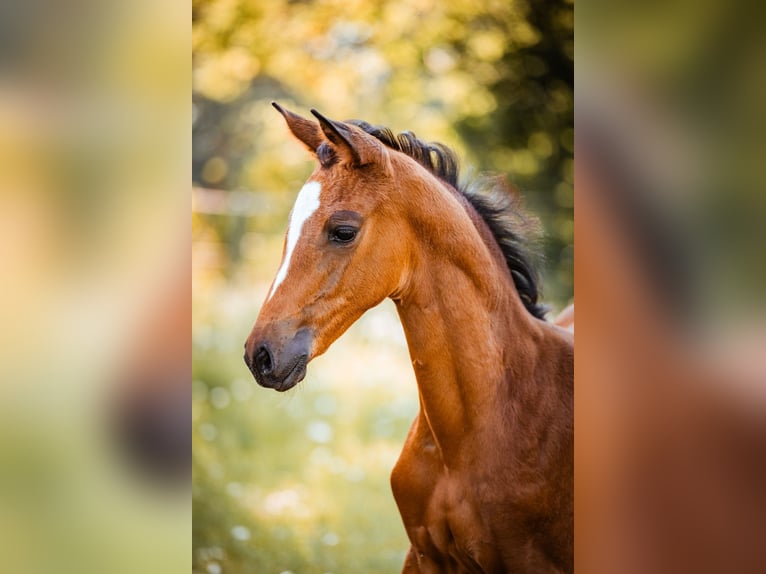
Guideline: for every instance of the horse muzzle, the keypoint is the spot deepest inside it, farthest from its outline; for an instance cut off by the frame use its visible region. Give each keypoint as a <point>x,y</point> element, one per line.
<point>278,364</point>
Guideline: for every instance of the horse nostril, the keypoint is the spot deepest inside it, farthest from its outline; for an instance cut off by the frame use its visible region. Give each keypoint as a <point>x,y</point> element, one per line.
<point>262,361</point>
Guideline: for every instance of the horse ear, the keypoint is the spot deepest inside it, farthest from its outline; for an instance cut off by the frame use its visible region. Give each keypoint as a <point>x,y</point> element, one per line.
<point>353,145</point>
<point>306,131</point>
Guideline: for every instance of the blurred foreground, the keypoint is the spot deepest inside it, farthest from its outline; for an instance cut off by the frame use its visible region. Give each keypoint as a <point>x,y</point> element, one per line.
<point>670,370</point>
<point>94,290</point>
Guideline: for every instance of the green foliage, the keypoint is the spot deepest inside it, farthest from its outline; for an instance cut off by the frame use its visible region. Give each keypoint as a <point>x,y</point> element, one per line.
<point>492,79</point>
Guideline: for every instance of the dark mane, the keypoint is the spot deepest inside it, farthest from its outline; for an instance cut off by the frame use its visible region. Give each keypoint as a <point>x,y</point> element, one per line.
<point>497,204</point>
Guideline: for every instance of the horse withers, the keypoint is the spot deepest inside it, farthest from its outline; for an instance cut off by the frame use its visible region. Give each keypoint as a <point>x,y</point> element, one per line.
<point>484,482</point>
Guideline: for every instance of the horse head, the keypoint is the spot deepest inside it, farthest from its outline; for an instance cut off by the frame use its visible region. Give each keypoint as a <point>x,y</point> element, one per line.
<point>343,252</point>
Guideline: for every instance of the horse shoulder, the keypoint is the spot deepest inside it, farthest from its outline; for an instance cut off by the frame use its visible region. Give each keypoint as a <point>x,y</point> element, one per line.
<point>414,475</point>
<point>414,483</point>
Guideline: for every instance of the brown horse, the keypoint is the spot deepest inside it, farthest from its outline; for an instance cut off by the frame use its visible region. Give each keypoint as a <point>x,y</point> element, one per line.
<point>485,480</point>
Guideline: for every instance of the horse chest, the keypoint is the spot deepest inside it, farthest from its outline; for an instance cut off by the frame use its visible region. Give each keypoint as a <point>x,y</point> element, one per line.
<point>441,512</point>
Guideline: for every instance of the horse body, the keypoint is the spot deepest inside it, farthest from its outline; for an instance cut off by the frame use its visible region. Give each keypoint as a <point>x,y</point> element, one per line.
<point>485,480</point>
<point>479,480</point>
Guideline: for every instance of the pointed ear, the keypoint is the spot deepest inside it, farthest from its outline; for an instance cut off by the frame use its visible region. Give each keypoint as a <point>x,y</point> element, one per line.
<point>306,131</point>
<point>354,146</point>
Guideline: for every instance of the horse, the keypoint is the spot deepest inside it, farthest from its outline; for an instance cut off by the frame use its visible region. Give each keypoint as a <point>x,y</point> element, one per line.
<point>484,482</point>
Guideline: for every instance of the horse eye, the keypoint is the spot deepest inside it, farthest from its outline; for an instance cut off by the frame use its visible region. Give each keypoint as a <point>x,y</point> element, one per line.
<point>343,234</point>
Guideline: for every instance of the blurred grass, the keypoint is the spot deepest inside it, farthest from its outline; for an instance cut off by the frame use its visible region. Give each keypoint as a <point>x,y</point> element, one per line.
<point>298,481</point>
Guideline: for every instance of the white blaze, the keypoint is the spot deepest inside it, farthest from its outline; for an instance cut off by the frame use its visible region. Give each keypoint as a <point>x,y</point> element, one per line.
<point>306,204</point>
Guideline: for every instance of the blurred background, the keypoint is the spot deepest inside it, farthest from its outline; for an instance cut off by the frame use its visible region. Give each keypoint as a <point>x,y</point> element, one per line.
<point>671,276</point>
<point>94,287</point>
<point>300,483</point>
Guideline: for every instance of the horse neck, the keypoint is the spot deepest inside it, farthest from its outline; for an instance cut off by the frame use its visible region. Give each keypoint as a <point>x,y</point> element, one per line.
<point>472,343</point>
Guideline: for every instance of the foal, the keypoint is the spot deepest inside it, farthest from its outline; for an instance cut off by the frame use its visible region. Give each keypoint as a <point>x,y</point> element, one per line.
<point>485,480</point>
